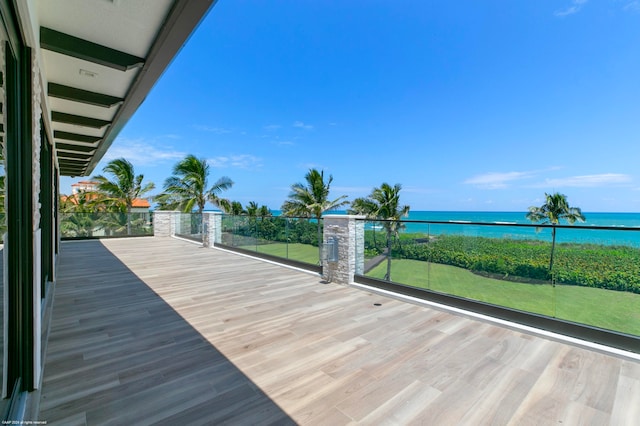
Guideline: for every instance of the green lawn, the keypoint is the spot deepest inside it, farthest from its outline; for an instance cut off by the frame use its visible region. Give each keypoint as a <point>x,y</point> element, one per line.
<point>300,252</point>
<point>613,310</point>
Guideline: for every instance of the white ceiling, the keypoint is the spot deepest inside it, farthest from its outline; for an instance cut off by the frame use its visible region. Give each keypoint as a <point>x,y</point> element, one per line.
<point>153,30</point>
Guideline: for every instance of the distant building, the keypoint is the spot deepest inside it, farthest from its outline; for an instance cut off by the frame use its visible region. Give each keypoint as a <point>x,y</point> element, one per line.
<point>140,205</point>
<point>84,186</point>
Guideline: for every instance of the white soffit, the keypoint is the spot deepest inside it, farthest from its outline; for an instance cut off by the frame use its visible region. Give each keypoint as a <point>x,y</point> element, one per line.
<point>85,75</point>
<point>100,58</point>
<point>78,108</point>
<point>128,25</point>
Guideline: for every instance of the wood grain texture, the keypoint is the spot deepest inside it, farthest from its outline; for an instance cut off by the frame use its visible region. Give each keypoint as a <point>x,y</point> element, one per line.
<point>158,330</point>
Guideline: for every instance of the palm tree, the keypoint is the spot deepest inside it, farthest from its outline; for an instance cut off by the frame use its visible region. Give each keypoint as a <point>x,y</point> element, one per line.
<point>383,204</point>
<point>252,209</point>
<point>235,208</point>
<point>79,214</point>
<point>166,201</point>
<point>555,208</point>
<point>189,185</point>
<point>264,211</point>
<point>125,187</point>
<point>312,200</point>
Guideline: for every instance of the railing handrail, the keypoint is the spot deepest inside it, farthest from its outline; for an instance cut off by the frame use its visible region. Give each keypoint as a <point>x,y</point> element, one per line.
<point>280,216</point>
<point>505,224</point>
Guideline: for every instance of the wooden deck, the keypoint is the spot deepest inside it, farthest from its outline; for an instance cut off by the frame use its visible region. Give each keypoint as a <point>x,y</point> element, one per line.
<point>157,330</point>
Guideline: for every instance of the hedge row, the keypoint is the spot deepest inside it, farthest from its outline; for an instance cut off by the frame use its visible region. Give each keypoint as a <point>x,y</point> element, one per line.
<point>590,265</point>
<point>277,228</point>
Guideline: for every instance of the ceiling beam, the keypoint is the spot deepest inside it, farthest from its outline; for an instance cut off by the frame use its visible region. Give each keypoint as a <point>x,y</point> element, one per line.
<point>176,29</point>
<point>88,51</point>
<point>75,155</point>
<point>84,96</point>
<point>75,148</point>
<point>72,170</point>
<point>58,134</point>
<point>79,120</point>
<point>73,162</point>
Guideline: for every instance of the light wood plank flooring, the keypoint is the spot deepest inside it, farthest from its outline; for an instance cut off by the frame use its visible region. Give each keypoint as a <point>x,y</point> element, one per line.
<point>158,330</point>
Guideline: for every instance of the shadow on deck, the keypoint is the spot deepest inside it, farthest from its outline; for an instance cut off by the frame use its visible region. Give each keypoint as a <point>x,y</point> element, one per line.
<point>119,354</point>
<point>160,330</point>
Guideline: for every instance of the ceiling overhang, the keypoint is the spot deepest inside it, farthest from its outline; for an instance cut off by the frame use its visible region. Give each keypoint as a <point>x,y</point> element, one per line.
<point>100,59</point>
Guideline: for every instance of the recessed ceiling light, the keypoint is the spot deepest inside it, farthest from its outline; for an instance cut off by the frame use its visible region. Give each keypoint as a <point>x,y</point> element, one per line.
<point>87,73</point>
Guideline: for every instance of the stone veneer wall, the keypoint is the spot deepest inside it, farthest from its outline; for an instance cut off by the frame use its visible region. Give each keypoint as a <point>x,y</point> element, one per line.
<point>164,223</point>
<point>359,246</point>
<point>349,233</point>
<point>213,228</point>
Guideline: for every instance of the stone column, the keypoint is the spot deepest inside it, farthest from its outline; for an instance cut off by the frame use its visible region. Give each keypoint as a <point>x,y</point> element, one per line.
<point>164,223</point>
<point>212,228</point>
<point>349,234</point>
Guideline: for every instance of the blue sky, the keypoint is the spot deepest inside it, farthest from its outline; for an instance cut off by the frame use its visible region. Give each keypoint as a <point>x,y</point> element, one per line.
<point>470,105</point>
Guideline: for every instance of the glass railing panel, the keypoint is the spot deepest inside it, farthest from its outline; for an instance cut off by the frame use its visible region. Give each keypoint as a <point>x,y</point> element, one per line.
<point>597,278</point>
<point>105,224</point>
<point>240,232</point>
<point>500,265</point>
<point>302,240</point>
<point>229,226</point>
<point>392,252</point>
<point>587,275</point>
<point>289,238</point>
<point>189,225</point>
<point>271,236</point>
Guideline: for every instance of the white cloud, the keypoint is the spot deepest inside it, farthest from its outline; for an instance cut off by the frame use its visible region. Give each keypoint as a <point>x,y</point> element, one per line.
<point>301,125</point>
<point>141,152</point>
<point>575,7</point>
<point>633,6</point>
<point>587,181</point>
<point>284,143</point>
<point>272,127</point>
<point>242,161</point>
<point>495,180</point>
<point>216,130</point>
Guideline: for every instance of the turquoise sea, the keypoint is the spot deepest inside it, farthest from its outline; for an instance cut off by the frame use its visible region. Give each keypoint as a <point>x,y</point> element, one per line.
<point>624,227</point>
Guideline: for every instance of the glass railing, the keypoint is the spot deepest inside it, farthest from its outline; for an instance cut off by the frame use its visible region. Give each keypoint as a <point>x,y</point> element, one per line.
<point>591,275</point>
<point>189,225</point>
<point>103,224</point>
<point>284,237</point>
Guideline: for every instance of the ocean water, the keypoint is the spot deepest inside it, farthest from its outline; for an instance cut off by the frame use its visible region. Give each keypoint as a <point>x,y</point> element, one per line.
<point>625,227</point>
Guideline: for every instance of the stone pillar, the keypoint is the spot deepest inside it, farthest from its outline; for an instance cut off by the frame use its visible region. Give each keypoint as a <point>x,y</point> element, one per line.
<point>212,228</point>
<point>164,223</point>
<point>349,234</point>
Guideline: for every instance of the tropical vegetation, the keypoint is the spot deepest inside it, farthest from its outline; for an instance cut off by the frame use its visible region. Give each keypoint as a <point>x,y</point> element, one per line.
<point>311,199</point>
<point>613,310</point>
<point>120,192</point>
<point>577,264</point>
<point>188,188</point>
<point>555,208</point>
<point>383,204</point>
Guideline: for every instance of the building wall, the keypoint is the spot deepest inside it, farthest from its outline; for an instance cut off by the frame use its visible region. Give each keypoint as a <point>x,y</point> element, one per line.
<point>30,183</point>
